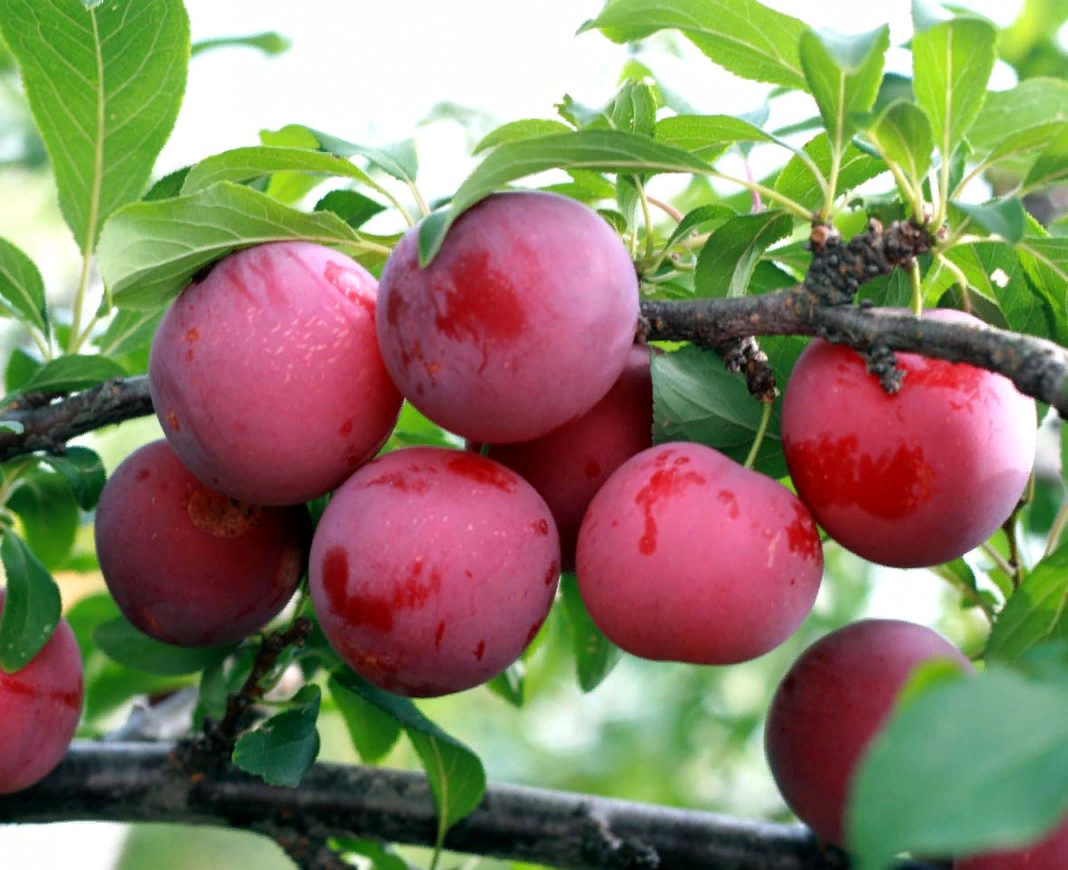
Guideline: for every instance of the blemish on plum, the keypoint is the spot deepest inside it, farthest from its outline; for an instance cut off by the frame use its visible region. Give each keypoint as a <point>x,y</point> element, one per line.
<point>662,484</point>
<point>412,592</point>
<point>553,574</point>
<point>482,470</point>
<point>475,301</point>
<point>143,474</point>
<point>730,500</point>
<point>399,480</point>
<point>172,421</point>
<point>480,650</point>
<point>802,536</point>
<point>540,527</point>
<point>192,334</point>
<point>346,428</point>
<point>11,684</point>
<point>349,283</point>
<point>438,635</point>
<point>352,608</point>
<point>219,515</point>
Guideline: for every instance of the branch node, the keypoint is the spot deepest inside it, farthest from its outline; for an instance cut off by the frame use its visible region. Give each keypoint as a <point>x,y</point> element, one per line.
<point>882,362</point>
<point>745,355</point>
<point>602,847</point>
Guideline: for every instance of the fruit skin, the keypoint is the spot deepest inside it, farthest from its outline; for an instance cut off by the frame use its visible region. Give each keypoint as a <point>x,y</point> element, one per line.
<point>432,570</point>
<point>913,479</point>
<point>266,375</point>
<point>572,462</point>
<point>186,564</point>
<point>684,555</point>
<point>491,340</point>
<point>1050,853</point>
<point>830,705</point>
<point>39,709</point>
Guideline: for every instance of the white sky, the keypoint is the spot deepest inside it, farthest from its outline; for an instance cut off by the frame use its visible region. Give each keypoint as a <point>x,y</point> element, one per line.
<point>370,72</point>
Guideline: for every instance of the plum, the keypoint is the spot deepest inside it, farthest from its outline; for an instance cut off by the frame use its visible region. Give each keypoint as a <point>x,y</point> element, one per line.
<point>39,709</point>
<point>1049,853</point>
<point>187,564</point>
<point>571,463</point>
<point>912,479</point>
<point>684,555</point>
<point>831,704</point>
<point>432,569</point>
<point>266,374</point>
<point>492,339</point>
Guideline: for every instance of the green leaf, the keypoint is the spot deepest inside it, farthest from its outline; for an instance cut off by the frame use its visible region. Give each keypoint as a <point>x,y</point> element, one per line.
<point>149,251</point>
<point>743,36</point>
<point>398,160</point>
<point>1002,217</point>
<point>104,85</point>
<point>1046,263</point>
<point>633,109</point>
<point>695,398</point>
<point>602,150</point>
<point>245,164</point>
<point>1020,142</point>
<point>457,778</point>
<point>797,181</point>
<point>353,208</point>
<point>903,136</point>
<point>1032,103</point>
<point>66,374</point>
<point>374,731</point>
<point>32,607</point>
<point>381,856</point>
<point>951,65</point>
<point>964,766</point>
<point>703,214</point>
<point>123,643</point>
<point>727,260</point>
<point>269,42</point>
<point>595,655</point>
<point>1035,613</point>
<point>84,473</point>
<point>1052,164</point>
<point>22,290</point>
<point>128,331</point>
<point>514,131</point>
<point>843,74</point>
<point>283,748</point>
<point>167,187</point>
<point>510,684</point>
<point>708,136</point>
<point>45,504</point>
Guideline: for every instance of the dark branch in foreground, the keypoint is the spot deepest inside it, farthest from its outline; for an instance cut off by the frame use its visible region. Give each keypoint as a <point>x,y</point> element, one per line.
<point>142,782</point>
<point>1038,367</point>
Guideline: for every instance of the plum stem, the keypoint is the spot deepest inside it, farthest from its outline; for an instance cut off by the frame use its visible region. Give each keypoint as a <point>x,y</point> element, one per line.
<point>765,418</point>
<point>917,287</point>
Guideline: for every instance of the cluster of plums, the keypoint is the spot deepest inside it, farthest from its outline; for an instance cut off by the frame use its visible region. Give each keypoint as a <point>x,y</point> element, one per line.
<point>279,375</point>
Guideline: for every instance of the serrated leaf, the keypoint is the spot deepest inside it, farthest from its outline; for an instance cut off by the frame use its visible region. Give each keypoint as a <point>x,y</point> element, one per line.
<point>843,74</point>
<point>1003,217</point>
<point>514,131</point>
<point>167,187</point>
<point>84,472</point>
<point>374,731</point>
<point>398,160</point>
<point>104,85</point>
<point>68,373</point>
<point>595,655</point>
<point>22,290</point>
<point>1020,142</point>
<point>743,36</point>
<point>797,181</point>
<point>950,772</point>
<point>353,208</point>
<point>32,606</point>
<point>457,778</point>
<point>951,65</point>
<point>283,749</point>
<point>150,250</point>
<point>1035,613</point>
<point>903,136</point>
<point>633,109</point>
<point>1032,103</point>
<point>123,643</point>
<point>128,331</point>
<point>699,216</point>
<point>44,503</point>
<point>727,260</point>
<point>269,42</point>
<point>602,150</point>
<point>1046,263</point>
<point>1051,165</point>
<point>696,399</point>
<point>708,136</point>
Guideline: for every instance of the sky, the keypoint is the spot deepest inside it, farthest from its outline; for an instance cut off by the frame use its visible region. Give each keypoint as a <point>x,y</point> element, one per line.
<point>370,72</point>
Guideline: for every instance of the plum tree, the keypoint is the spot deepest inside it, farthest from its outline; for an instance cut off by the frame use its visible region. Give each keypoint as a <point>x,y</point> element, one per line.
<point>909,479</point>
<point>568,465</point>
<point>305,399</point>
<point>432,569</point>
<point>1050,853</point>
<point>239,563</point>
<point>489,339</point>
<point>687,556</point>
<point>40,705</point>
<point>831,704</point>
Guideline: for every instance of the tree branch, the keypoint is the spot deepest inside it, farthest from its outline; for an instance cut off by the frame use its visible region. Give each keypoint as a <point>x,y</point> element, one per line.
<point>143,782</point>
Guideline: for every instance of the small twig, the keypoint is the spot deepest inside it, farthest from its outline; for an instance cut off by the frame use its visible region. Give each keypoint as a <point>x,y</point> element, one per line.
<point>745,355</point>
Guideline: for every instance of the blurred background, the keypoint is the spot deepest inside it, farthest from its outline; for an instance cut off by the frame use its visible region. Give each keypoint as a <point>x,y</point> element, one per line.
<point>446,74</point>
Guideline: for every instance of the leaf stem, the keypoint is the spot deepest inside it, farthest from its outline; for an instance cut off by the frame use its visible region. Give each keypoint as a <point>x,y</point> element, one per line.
<point>917,288</point>
<point>420,202</point>
<point>647,216</point>
<point>962,279</point>
<point>1060,521</point>
<point>966,591</point>
<point>765,418</point>
<point>795,208</point>
<point>998,560</point>
<point>667,208</point>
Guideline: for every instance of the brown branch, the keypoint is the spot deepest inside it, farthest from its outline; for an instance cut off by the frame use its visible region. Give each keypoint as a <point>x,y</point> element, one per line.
<point>142,782</point>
